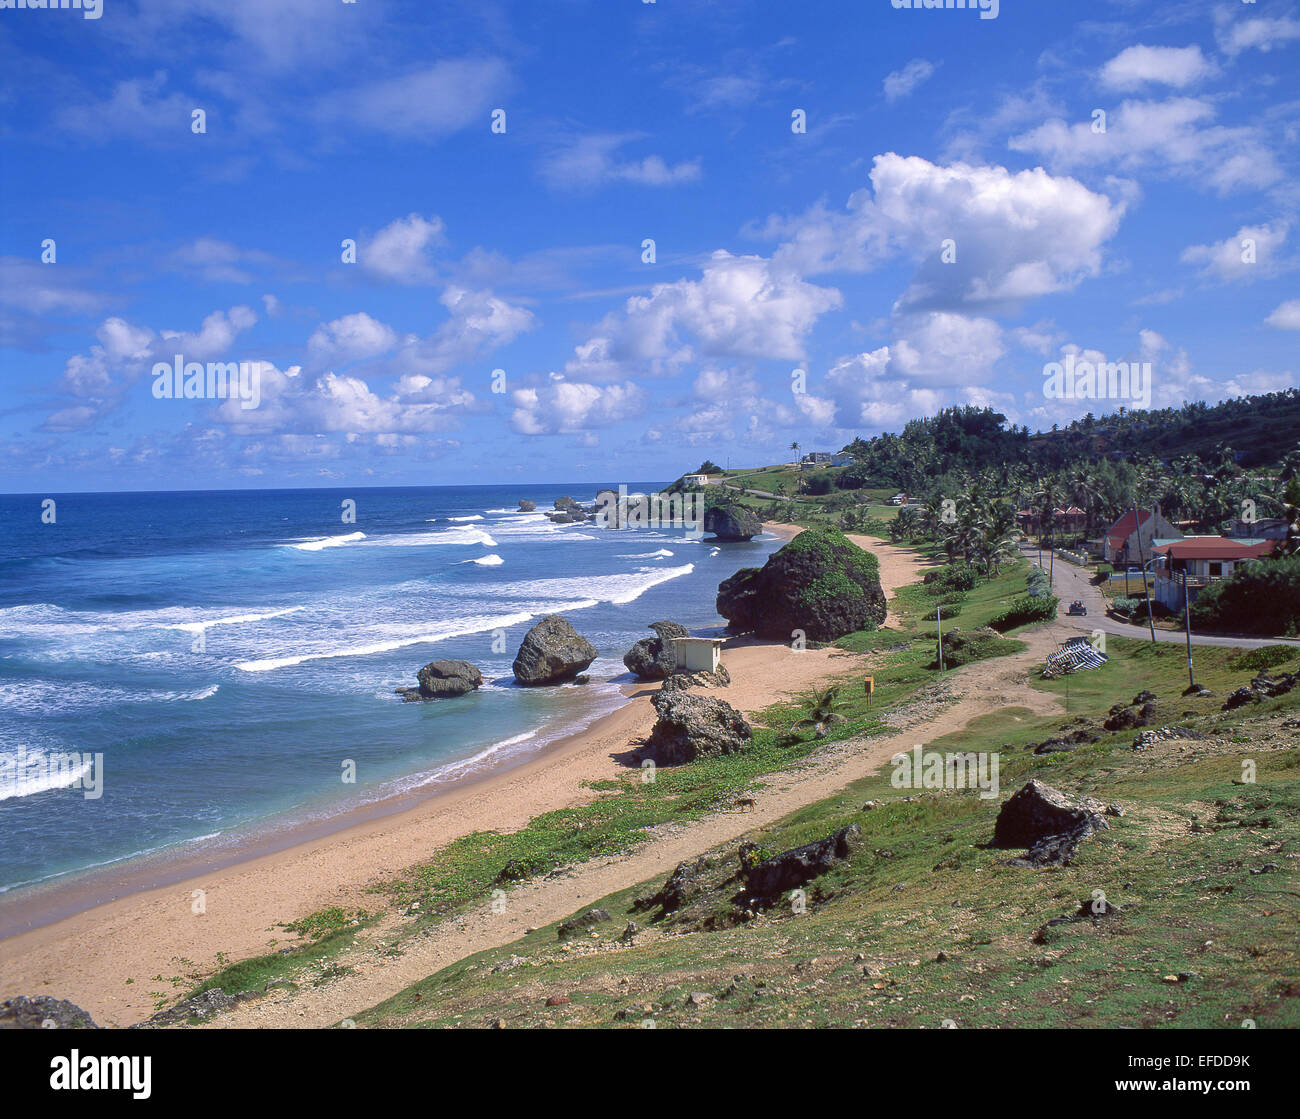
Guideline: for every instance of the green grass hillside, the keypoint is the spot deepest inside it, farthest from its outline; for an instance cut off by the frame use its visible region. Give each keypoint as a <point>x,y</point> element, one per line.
<point>926,925</point>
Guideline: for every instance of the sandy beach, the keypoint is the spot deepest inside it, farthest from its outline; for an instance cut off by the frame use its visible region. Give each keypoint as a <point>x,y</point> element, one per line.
<point>89,957</point>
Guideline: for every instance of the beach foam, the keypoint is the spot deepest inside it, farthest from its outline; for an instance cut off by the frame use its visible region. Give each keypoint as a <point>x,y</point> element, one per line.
<point>467,627</point>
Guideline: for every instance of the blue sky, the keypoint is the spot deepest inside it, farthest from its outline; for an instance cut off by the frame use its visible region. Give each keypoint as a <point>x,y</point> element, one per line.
<point>955,216</point>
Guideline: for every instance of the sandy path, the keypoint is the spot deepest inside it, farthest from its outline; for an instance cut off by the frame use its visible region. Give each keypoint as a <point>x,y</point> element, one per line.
<point>898,566</point>
<point>978,689</point>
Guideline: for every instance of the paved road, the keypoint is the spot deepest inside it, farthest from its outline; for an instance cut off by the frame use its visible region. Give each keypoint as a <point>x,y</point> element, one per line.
<point>1073,582</point>
<point>756,493</point>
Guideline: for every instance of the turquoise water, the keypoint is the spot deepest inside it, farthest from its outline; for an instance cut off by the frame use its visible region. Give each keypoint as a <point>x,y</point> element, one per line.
<point>228,652</point>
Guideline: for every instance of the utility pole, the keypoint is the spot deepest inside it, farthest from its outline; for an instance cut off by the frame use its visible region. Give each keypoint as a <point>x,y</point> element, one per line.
<point>1187,622</point>
<point>1137,521</point>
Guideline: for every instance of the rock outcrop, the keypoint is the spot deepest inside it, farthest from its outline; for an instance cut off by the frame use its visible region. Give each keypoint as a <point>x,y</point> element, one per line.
<point>820,584</point>
<point>1050,823</point>
<point>680,681</point>
<point>443,680</point>
<point>685,882</point>
<point>526,506</point>
<point>1127,716</point>
<point>732,522</point>
<point>552,652</point>
<point>1263,686</point>
<point>652,658</point>
<point>581,923</point>
<point>792,869</point>
<point>23,1013</point>
<point>693,726</point>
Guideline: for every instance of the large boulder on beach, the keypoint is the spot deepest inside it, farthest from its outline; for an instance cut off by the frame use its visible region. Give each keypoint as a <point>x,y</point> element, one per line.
<point>1049,822</point>
<point>23,1013</point>
<point>732,522</point>
<point>652,658</point>
<point>444,680</point>
<point>552,652</point>
<point>820,583</point>
<point>693,726</point>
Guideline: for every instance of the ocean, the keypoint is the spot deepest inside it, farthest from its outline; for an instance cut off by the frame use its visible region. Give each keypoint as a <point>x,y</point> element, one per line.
<point>230,656</point>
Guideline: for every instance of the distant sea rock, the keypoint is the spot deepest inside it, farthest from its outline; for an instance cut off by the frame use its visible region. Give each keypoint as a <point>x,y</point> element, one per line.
<point>693,726</point>
<point>564,504</point>
<point>552,652</point>
<point>732,522</point>
<point>820,583</point>
<point>443,680</point>
<point>652,658</point>
<point>23,1013</point>
<point>526,506</point>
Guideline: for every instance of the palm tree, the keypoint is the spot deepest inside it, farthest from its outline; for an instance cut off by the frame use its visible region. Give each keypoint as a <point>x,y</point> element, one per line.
<point>821,708</point>
<point>1083,484</point>
<point>795,448</point>
<point>1049,495</point>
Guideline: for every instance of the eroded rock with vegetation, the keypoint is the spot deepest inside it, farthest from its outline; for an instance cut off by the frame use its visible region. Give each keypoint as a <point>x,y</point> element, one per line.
<point>819,584</point>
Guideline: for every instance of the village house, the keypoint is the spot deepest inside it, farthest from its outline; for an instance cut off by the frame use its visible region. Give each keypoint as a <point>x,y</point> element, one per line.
<point>1070,520</point>
<point>816,458</point>
<point>842,458</point>
<point>1128,541</point>
<point>1197,561</point>
<point>1261,528</point>
<point>696,479</point>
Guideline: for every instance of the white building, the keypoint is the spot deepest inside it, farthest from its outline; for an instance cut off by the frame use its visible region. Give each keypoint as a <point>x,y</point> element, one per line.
<point>842,458</point>
<point>697,654</point>
<point>1197,561</point>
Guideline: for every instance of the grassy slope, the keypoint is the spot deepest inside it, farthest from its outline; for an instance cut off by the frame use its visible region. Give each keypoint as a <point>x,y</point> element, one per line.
<point>923,881</point>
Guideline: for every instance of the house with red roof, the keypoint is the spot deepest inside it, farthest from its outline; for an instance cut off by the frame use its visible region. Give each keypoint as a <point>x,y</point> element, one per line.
<point>1197,561</point>
<point>1128,541</point>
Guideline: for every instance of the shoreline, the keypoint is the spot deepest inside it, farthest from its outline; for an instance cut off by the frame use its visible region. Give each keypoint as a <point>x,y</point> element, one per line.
<point>149,929</point>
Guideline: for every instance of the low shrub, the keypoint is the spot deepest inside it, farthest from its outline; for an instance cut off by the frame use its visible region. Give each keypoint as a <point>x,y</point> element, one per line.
<point>1260,660</point>
<point>1025,610</point>
<point>960,647</point>
<point>951,577</point>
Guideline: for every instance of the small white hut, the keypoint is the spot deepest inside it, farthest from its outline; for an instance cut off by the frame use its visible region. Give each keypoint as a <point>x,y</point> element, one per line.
<point>697,654</point>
